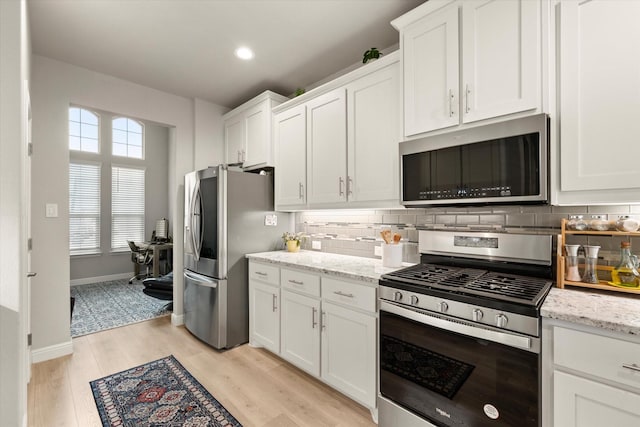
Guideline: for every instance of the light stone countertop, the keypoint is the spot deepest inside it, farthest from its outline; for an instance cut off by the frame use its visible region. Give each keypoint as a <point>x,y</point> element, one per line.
<point>615,312</point>
<point>344,266</point>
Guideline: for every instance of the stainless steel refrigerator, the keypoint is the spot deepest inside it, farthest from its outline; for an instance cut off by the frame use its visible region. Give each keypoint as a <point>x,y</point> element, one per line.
<point>226,217</point>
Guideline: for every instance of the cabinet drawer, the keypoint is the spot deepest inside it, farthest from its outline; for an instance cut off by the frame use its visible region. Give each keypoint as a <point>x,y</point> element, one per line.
<point>264,273</point>
<point>302,282</point>
<point>352,294</point>
<point>597,355</point>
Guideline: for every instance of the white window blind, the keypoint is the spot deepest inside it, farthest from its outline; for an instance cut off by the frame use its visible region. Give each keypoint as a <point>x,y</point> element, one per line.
<point>127,206</point>
<point>127,138</point>
<point>84,128</point>
<point>84,208</point>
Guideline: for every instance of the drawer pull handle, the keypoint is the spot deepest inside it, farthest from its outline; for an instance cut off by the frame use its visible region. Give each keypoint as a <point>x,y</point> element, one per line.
<point>631,366</point>
<point>275,303</point>
<point>260,273</point>
<point>296,282</point>
<point>342,294</point>
<point>314,323</point>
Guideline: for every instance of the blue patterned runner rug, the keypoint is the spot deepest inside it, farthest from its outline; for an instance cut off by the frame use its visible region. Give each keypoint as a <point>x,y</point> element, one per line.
<point>158,393</point>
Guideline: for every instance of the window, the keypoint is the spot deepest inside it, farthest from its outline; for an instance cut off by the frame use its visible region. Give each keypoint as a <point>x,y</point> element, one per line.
<point>83,130</point>
<point>127,206</point>
<point>84,208</point>
<point>127,138</point>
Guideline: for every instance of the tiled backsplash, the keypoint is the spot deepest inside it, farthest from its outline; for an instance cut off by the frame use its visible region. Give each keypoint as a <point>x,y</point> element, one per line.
<point>357,232</point>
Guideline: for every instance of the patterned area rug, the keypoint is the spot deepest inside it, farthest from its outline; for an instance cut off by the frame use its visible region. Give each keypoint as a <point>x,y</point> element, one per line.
<point>107,305</point>
<point>432,370</point>
<point>159,393</point>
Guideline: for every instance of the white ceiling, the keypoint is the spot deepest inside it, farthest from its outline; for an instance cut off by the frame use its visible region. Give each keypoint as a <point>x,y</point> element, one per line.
<point>186,47</point>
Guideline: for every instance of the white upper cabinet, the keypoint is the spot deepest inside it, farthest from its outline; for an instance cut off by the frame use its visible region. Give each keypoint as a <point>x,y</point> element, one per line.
<point>234,139</point>
<point>599,100</point>
<point>290,136</point>
<point>373,134</point>
<point>501,57</point>
<point>499,72</point>
<point>431,82</point>
<point>351,137</point>
<point>326,148</point>
<point>247,131</point>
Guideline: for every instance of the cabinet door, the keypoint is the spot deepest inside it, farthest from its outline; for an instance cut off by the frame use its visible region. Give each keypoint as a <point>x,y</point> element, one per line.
<point>234,139</point>
<point>264,314</point>
<point>373,136</point>
<point>290,147</point>
<point>430,55</point>
<point>258,138</point>
<point>300,331</point>
<point>579,402</point>
<point>327,148</point>
<point>599,95</point>
<point>349,352</point>
<point>500,57</point>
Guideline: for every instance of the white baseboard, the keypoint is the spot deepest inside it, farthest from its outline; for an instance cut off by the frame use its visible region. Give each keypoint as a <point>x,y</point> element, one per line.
<point>177,319</point>
<point>52,352</point>
<point>97,279</point>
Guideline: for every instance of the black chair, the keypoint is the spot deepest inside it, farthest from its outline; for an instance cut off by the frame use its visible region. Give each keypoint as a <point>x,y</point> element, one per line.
<point>140,257</point>
<point>160,288</point>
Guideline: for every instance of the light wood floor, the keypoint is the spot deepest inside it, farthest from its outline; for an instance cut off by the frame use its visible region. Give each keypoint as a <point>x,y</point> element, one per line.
<point>258,388</point>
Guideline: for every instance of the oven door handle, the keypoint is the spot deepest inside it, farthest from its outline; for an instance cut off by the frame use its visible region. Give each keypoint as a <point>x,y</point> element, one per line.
<point>512,340</point>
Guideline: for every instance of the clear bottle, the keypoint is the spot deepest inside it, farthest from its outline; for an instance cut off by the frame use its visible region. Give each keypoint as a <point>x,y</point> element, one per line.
<point>590,274</point>
<point>626,272</point>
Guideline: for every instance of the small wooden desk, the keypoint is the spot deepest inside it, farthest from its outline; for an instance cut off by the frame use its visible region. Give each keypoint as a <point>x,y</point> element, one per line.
<point>157,249</point>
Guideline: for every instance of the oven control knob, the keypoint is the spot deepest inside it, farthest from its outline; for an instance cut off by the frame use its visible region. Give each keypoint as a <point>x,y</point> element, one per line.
<point>501,320</point>
<point>397,296</point>
<point>477,314</point>
<point>414,300</point>
<point>443,306</point>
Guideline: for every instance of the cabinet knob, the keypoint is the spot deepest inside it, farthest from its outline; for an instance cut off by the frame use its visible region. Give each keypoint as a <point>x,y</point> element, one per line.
<point>443,306</point>
<point>501,320</point>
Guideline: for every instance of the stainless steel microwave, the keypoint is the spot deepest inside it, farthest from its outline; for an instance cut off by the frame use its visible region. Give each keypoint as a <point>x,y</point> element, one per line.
<point>499,163</point>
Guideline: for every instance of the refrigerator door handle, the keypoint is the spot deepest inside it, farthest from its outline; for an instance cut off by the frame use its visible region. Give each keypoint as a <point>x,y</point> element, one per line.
<point>196,229</point>
<point>200,279</point>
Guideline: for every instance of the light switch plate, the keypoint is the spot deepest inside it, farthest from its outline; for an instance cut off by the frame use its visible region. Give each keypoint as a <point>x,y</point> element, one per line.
<point>316,244</point>
<point>51,210</point>
<point>377,250</point>
<point>271,220</point>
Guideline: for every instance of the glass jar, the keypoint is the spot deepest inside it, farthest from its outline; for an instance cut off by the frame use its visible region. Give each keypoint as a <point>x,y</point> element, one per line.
<point>626,272</point>
<point>598,223</point>
<point>571,263</point>
<point>627,224</point>
<point>590,262</point>
<point>576,222</point>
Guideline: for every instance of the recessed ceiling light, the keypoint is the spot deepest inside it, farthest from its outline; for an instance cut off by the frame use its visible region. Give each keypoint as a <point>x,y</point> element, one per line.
<point>244,53</point>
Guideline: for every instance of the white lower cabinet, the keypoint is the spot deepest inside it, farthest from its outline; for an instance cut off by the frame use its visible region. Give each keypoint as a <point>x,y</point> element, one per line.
<point>264,304</point>
<point>323,325</point>
<point>300,331</point>
<point>591,377</point>
<point>348,352</point>
<point>584,403</point>
<point>265,319</point>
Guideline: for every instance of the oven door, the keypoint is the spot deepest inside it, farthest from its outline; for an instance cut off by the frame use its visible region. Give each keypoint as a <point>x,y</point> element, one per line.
<point>471,377</point>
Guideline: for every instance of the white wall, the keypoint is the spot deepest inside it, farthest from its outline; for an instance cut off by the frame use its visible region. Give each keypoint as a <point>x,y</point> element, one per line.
<point>15,51</point>
<point>209,138</point>
<point>56,85</point>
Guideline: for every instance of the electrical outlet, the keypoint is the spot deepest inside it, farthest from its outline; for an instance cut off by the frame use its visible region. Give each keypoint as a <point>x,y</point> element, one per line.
<point>316,244</point>
<point>51,210</point>
<point>271,220</point>
<point>377,250</point>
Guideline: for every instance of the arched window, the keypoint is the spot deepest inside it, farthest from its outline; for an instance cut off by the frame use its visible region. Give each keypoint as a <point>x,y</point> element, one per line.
<point>128,138</point>
<point>84,130</point>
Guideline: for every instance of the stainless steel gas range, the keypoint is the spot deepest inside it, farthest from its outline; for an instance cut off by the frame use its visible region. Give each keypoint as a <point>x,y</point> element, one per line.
<point>460,332</point>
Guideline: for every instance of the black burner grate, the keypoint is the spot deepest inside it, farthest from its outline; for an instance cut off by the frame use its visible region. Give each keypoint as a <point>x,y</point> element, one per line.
<point>482,283</point>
